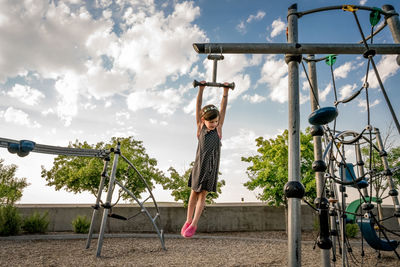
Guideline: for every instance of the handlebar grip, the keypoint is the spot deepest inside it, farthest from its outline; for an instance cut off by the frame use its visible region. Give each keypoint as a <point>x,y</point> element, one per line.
<point>211,84</point>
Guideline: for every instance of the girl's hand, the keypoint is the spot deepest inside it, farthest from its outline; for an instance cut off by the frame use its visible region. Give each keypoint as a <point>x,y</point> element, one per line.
<point>202,86</point>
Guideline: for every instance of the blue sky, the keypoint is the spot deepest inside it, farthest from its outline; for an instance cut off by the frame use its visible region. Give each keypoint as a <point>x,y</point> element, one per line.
<point>90,70</point>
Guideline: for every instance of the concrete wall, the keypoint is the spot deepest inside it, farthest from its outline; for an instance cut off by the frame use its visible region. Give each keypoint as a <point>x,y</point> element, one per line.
<point>215,218</point>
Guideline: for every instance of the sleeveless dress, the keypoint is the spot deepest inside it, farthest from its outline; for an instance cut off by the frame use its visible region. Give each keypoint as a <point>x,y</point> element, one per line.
<point>204,175</point>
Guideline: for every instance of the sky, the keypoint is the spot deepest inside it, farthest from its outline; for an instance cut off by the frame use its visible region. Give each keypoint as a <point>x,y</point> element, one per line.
<point>90,70</point>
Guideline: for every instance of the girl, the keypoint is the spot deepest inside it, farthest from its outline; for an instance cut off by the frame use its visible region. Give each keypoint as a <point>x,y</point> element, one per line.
<point>204,176</point>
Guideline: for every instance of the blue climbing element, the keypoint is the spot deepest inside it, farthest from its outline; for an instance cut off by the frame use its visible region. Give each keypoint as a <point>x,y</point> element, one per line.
<point>369,234</point>
<point>347,174</point>
<point>22,148</point>
<point>323,116</point>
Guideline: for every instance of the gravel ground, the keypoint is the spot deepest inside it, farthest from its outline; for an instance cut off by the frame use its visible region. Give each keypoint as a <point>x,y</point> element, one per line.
<point>218,249</point>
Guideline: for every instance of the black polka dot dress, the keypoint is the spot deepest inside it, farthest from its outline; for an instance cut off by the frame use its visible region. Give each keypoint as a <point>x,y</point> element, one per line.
<point>204,175</point>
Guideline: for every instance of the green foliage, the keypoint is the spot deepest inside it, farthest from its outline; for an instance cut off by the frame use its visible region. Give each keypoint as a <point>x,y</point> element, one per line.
<point>78,174</point>
<point>10,186</point>
<point>36,223</point>
<point>269,169</point>
<point>10,220</point>
<point>179,186</point>
<point>81,225</point>
<point>351,230</point>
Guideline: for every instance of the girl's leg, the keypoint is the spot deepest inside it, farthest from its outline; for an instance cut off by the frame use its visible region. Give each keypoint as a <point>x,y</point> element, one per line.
<point>201,201</point>
<point>191,206</point>
<point>190,211</point>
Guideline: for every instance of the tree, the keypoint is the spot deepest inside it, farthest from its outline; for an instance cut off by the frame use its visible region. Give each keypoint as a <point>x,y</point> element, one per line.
<point>269,169</point>
<point>179,186</point>
<point>11,187</point>
<point>78,174</point>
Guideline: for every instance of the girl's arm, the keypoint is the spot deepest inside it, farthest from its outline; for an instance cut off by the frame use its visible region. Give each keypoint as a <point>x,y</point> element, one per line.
<point>198,107</point>
<point>224,103</point>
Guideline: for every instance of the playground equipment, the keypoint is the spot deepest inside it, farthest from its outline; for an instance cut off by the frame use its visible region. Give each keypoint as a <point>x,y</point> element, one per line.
<point>331,212</point>
<point>214,83</point>
<point>23,147</point>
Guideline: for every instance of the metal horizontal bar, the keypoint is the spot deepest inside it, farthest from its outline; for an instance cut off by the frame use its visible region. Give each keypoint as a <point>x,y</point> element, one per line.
<point>307,12</point>
<point>57,150</point>
<point>290,48</point>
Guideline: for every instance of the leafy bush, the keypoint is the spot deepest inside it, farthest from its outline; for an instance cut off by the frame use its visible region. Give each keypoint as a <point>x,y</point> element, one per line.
<point>36,223</point>
<point>351,230</point>
<point>10,220</point>
<point>81,224</point>
<point>11,187</point>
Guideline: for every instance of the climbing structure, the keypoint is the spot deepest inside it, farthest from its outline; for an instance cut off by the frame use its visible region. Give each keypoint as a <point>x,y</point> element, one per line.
<point>23,147</point>
<point>293,51</point>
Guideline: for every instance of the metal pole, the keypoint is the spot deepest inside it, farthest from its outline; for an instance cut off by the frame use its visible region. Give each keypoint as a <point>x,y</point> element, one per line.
<point>107,205</point>
<point>319,175</point>
<point>294,213</point>
<point>360,166</point>
<point>314,98</point>
<point>214,77</point>
<point>294,48</point>
<point>388,174</point>
<point>97,205</point>
<point>394,25</point>
<point>343,215</point>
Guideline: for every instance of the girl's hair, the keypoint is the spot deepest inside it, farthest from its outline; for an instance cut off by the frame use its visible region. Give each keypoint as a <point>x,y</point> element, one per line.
<point>209,112</point>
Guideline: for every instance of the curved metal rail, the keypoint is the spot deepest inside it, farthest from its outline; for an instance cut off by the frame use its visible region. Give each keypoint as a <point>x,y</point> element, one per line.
<point>56,150</point>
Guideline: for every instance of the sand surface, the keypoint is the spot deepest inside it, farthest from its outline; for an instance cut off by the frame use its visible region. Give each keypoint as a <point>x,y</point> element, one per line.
<point>218,249</point>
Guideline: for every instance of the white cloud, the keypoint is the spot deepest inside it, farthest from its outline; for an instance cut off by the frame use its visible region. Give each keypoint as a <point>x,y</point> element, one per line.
<point>68,88</point>
<point>101,83</point>
<point>343,70</point>
<point>363,104</point>
<point>347,90</point>
<point>84,57</point>
<point>48,111</point>
<point>259,16</point>
<point>278,26</point>
<point>254,98</point>
<point>274,74</point>
<point>241,27</point>
<point>89,106</point>
<point>164,102</point>
<point>245,140</point>
<point>122,117</point>
<point>147,43</point>
<point>26,94</point>
<point>387,67</point>
<point>18,117</point>
<point>45,37</point>
<point>157,122</point>
<point>322,95</point>
<point>363,2</point>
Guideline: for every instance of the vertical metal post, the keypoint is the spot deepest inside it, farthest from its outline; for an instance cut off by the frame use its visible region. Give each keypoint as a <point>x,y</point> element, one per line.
<point>319,175</point>
<point>294,212</point>
<point>394,25</point>
<point>393,22</point>
<point>215,64</point>
<point>107,205</point>
<point>360,166</point>
<point>388,173</point>
<point>97,205</point>
<point>343,208</point>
